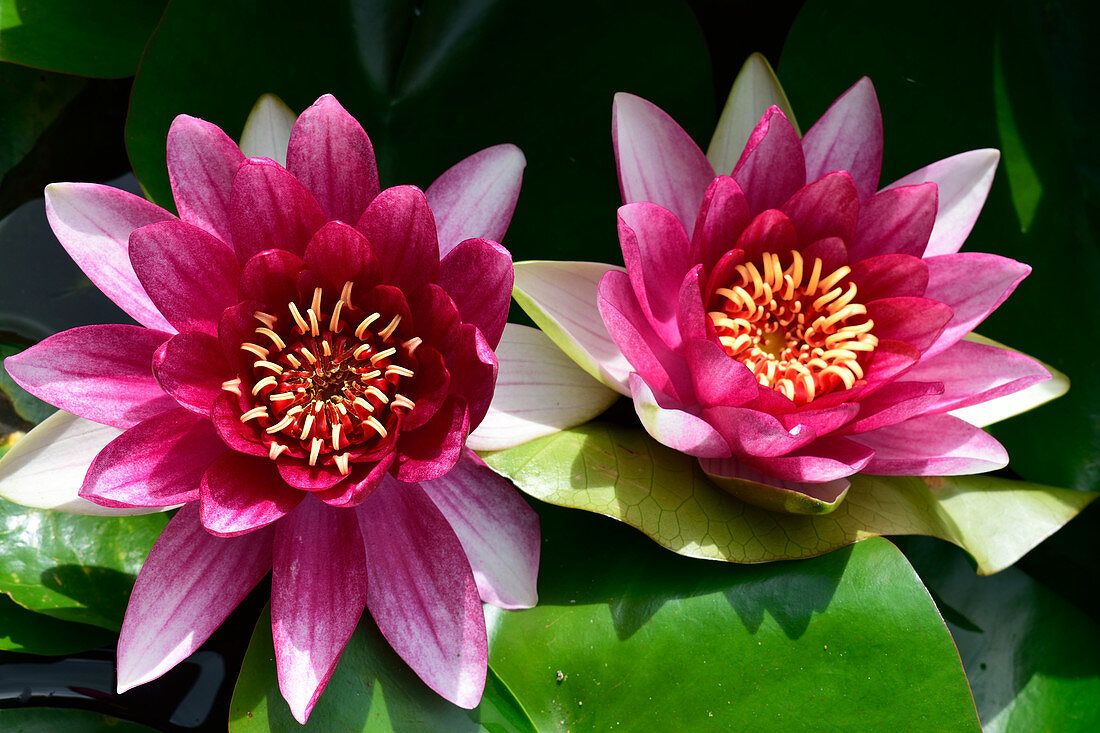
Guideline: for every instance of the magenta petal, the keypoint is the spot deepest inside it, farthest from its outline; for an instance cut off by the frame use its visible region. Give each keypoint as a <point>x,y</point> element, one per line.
<point>932,445</point>
<point>354,492</point>
<point>340,253</point>
<point>475,198</point>
<point>435,447</point>
<point>753,433</point>
<point>826,459</point>
<point>93,224</point>
<point>499,532</point>
<point>225,416</point>
<point>828,207</point>
<point>478,276</point>
<point>771,168</point>
<point>472,366</point>
<point>887,276</point>
<point>772,493</point>
<point>191,368</point>
<point>187,586</point>
<point>916,321</point>
<point>974,284</point>
<point>158,462</point>
<point>318,592</point>
<point>271,209</point>
<point>240,493</point>
<point>897,220</point>
<point>657,160</point>
<point>202,162</point>
<point>719,379</point>
<point>674,426</point>
<point>848,137</point>
<point>770,231</point>
<point>894,403</point>
<point>401,230</point>
<point>271,278</point>
<point>102,373</point>
<point>691,317</point>
<point>190,275</point>
<point>331,154</point>
<point>722,218</point>
<point>422,592</point>
<point>972,373</point>
<point>299,474</point>
<point>657,255</point>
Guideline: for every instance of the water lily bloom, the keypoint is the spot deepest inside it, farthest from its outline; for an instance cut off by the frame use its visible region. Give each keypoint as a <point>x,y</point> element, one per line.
<point>314,352</point>
<point>783,318</point>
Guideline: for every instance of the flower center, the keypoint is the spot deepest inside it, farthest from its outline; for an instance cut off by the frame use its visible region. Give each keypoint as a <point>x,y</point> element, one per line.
<point>802,336</point>
<point>323,388</point>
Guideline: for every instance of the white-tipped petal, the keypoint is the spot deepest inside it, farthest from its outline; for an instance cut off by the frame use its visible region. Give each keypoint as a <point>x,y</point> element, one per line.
<point>267,130</point>
<point>539,391</point>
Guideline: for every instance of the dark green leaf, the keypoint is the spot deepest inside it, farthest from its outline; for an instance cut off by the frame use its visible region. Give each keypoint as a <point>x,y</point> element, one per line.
<point>26,405</point>
<point>30,100</point>
<point>35,633</point>
<point>435,85</point>
<point>60,720</point>
<point>73,567</point>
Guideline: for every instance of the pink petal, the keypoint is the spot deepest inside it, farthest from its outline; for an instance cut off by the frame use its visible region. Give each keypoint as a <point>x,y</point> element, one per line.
<point>499,532</point>
<point>790,497</point>
<point>271,278</point>
<point>770,231</point>
<point>826,459</point>
<point>974,284</point>
<point>675,427</point>
<point>158,462</point>
<point>754,433</point>
<point>897,220</point>
<point>477,274</point>
<point>719,379</point>
<point>300,475</point>
<point>963,182</point>
<point>434,448</point>
<point>722,218</point>
<point>190,275</point>
<point>93,224</point>
<point>422,592</point>
<point>240,493</point>
<point>318,592</point>
<point>848,137</point>
<point>354,492</point>
<point>475,198</point>
<point>972,373</point>
<point>932,445</point>
<point>828,207</point>
<point>401,230</point>
<point>771,168</point>
<point>894,403</point>
<point>657,255</point>
<point>340,253</point>
<point>103,373</point>
<point>332,156</point>
<point>657,160</point>
<point>191,368</point>
<point>202,162</point>
<point>691,317</point>
<point>473,369</point>
<point>271,209</point>
<point>225,416</point>
<point>887,276</point>
<point>916,321</point>
<point>186,588</point>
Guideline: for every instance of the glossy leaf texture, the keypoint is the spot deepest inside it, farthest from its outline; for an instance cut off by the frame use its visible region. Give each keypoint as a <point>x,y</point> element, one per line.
<point>625,474</point>
<point>61,720</point>
<point>1011,75</point>
<point>72,567</point>
<point>475,69</point>
<point>35,633</point>
<point>77,37</point>
<point>1030,655</point>
<point>371,690</point>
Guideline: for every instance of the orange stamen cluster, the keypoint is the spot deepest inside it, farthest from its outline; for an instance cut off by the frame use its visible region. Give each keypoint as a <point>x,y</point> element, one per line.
<point>326,378</point>
<point>800,333</point>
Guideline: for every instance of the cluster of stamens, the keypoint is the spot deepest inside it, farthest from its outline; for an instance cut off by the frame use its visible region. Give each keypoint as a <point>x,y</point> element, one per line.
<point>325,380</point>
<point>799,332</point>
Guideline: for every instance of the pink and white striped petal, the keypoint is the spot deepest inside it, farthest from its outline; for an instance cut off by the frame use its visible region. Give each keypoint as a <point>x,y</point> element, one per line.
<point>93,224</point>
<point>318,592</point>
<point>848,137</point>
<point>267,130</point>
<point>499,532</point>
<point>482,300</point>
<point>772,168</point>
<point>539,391</point>
<point>45,468</point>
<point>475,197</point>
<point>560,297</point>
<point>657,161</point>
<point>676,428</point>
<point>186,588</point>
<point>202,162</point>
<point>102,373</point>
<point>963,182</point>
<point>932,445</point>
<point>422,592</point>
<point>657,254</point>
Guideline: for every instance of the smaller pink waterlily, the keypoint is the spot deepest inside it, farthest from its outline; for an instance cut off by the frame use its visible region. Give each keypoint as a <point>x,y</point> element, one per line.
<point>785,320</point>
<point>314,353</point>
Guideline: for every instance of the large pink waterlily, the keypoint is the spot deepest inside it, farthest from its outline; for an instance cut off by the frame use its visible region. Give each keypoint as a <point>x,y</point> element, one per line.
<point>314,351</point>
<point>785,320</point>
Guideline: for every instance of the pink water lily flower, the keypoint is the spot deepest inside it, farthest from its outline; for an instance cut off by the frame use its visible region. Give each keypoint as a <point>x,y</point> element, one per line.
<point>314,352</point>
<point>786,320</point>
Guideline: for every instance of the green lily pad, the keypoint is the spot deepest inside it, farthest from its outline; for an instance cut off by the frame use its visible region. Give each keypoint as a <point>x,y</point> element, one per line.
<point>35,633</point>
<point>77,37</point>
<point>849,641</point>
<point>372,689</point>
<point>30,100</point>
<point>409,72</point>
<point>63,720</point>
<point>73,567</point>
<point>625,474</point>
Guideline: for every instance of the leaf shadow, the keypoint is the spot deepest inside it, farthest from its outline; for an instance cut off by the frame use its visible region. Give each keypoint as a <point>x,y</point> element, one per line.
<point>103,592</point>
